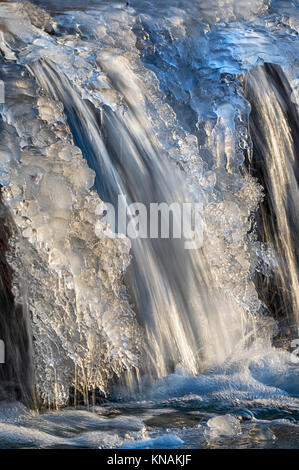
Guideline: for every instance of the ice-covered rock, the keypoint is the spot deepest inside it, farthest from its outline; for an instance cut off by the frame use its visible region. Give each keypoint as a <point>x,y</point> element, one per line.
<point>243,414</point>
<point>222,426</point>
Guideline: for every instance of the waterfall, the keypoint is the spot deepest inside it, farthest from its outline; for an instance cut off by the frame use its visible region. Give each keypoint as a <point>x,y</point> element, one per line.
<point>274,131</point>
<point>110,108</point>
<point>186,321</point>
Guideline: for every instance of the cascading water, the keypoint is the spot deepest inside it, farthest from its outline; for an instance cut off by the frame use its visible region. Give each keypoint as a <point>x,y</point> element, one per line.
<point>170,286</point>
<point>274,130</point>
<point>112,105</point>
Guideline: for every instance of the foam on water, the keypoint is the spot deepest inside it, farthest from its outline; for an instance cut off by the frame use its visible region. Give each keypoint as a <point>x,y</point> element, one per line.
<point>181,410</point>
<point>259,373</point>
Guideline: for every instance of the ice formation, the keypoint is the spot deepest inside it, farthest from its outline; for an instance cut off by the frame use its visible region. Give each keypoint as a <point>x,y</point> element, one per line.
<point>70,274</point>
<point>120,59</point>
<point>225,425</point>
